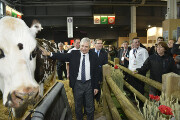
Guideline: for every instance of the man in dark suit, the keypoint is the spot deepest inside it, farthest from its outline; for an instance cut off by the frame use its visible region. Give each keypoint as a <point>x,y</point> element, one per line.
<point>102,60</point>
<point>61,65</point>
<point>123,55</point>
<point>82,75</point>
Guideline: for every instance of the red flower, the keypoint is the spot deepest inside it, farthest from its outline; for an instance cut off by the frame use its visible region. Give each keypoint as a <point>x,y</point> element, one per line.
<point>116,67</point>
<point>156,98</point>
<point>165,110</point>
<point>151,96</point>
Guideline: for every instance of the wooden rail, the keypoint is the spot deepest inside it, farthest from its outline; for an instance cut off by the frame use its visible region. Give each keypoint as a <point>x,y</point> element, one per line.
<point>110,103</point>
<point>130,111</point>
<point>142,78</point>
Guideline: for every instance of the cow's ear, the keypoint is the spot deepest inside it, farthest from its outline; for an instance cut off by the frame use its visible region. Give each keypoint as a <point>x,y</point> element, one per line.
<point>1,54</point>
<point>20,45</point>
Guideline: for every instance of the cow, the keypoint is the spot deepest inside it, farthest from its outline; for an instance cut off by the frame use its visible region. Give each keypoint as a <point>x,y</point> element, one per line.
<point>17,62</point>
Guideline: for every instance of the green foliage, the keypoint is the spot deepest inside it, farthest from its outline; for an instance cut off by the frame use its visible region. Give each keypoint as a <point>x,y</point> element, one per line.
<point>118,77</point>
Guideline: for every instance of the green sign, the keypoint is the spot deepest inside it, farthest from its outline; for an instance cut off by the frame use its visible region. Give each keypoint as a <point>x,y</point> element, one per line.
<point>104,20</point>
<point>14,14</point>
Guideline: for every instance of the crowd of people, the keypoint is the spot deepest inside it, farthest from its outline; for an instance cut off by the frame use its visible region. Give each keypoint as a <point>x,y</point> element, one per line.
<point>83,67</point>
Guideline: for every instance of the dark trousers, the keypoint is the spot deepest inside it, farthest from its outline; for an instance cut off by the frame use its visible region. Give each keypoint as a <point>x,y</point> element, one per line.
<point>60,70</point>
<point>83,92</point>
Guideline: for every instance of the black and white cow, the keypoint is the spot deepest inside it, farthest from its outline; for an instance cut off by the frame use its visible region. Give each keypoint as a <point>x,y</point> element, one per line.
<point>17,62</point>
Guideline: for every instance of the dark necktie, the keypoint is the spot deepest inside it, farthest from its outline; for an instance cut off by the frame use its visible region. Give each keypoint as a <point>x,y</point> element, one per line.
<point>83,75</point>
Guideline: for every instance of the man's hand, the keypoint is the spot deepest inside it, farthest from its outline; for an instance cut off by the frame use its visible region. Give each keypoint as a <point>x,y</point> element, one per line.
<point>44,52</point>
<point>95,91</point>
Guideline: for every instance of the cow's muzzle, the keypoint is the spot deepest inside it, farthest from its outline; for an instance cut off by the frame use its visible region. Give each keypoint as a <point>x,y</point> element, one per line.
<point>19,97</point>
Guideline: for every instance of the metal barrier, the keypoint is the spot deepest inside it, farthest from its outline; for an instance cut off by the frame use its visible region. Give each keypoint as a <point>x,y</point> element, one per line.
<point>54,105</point>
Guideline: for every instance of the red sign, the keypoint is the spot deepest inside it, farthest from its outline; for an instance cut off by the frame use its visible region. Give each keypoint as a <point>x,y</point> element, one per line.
<point>71,42</point>
<point>111,19</point>
<point>18,16</point>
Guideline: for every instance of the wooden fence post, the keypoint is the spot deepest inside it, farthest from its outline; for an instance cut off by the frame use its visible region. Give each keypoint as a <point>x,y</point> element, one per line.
<point>109,57</point>
<point>112,107</point>
<point>116,61</point>
<point>171,85</point>
<point>106,71</point>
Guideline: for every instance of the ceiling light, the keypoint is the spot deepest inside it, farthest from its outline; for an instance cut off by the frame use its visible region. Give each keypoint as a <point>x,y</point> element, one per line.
<point>111,27</point>
<point>149,25</point>
<point>76,27</point>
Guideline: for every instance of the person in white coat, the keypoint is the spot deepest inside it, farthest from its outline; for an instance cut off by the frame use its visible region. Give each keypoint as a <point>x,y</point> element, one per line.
<point>137,57</point>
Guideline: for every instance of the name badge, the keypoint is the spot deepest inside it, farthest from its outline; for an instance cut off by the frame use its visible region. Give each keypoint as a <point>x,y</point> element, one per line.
<point>122,59</point>
<point>135,62</point>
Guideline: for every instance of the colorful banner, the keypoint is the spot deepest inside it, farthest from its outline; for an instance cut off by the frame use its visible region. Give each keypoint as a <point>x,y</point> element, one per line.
<point>12,12</point>
<point>96,19</point>
<point>111,19</point>
<point>104,20</point>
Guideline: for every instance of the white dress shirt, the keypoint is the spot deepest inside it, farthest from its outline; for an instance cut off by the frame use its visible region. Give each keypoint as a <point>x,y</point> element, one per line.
<point>137,59</point>
<point>87,67</point>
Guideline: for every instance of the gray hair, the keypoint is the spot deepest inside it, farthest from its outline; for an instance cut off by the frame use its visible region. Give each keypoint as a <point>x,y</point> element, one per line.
<point>60,44</point>
<point>85,40</point>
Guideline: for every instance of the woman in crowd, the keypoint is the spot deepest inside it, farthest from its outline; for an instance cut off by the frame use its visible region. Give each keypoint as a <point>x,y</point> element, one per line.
<point>159,63</point>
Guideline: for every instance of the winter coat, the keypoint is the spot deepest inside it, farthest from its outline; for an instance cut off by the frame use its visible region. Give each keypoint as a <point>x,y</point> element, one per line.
<point>158,65</point>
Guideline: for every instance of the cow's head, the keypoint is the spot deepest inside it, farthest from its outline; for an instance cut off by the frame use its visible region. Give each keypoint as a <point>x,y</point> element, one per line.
<point>17,63</point>
<point>35,27</point>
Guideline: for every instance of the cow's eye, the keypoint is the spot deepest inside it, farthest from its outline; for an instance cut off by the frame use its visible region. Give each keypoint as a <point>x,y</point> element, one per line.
<point>36,26</point>
<point>33,54</point>
<point>1,53</point>
<point>20,45</point>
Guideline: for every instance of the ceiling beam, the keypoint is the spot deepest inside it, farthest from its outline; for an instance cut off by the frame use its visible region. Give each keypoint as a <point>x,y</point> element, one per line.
<point>94,3</point>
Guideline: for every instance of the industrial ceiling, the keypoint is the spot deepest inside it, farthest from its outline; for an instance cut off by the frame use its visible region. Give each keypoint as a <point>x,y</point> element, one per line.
<point>53,14</point>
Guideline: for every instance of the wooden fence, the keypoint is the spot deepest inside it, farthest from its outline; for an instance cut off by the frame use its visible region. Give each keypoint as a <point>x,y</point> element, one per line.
<point>129,109</point>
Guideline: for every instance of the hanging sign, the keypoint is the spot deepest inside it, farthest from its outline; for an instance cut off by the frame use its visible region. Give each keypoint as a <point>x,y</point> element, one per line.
<point>11,12</point>
<point>104,20</point>
<point>97,20</point>
<point>70,27</point>
<point>111,19</point>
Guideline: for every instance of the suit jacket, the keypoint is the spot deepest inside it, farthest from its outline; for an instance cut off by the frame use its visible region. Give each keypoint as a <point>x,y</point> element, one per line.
<point>61,63</point>
<point>120,53</point>
<point>102,60</point>
<point>74,61</point>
